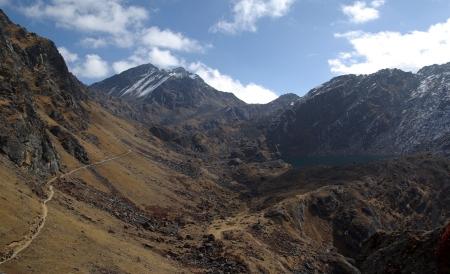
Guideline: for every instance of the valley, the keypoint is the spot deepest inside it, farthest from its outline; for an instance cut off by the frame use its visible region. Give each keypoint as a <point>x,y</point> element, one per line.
<point>155,171</point>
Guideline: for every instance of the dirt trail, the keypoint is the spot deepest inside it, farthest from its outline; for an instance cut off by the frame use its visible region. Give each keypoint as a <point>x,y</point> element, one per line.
<point>17,247</point>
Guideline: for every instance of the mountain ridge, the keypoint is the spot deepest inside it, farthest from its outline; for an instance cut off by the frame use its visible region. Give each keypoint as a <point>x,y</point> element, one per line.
<point>388,112</point>
<point>142,81</point>
<point>192,184</point>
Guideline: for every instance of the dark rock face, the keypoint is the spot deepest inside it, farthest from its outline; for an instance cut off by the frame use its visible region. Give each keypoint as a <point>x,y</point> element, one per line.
<point>70,144</point>
<point>407,252</point>
<point>34,79</point>
<point>443,250</point>
<point>27,145</point>
<point>163,133</point>
<point>235,162</point>
<point>385,113</point>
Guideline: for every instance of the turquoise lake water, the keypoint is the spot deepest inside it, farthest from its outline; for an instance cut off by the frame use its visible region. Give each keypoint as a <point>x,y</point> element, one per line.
<point>335,160</point>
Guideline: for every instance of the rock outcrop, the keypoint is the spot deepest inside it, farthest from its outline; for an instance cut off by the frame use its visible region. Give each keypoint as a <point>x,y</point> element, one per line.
<point>35,85</point>
<point>407,252</point>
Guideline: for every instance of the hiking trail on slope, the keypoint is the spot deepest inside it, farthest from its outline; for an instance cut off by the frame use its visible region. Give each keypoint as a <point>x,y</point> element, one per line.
<point>16,247</point>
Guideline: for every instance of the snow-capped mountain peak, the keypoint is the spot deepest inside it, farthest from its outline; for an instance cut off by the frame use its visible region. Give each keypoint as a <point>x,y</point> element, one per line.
<point>181,73</point>
<point>141,81</point>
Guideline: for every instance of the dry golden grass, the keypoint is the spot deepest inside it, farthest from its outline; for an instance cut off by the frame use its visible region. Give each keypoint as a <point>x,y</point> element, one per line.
<point>19,205</point>
<point>71,243</point>
<point>79,238</point>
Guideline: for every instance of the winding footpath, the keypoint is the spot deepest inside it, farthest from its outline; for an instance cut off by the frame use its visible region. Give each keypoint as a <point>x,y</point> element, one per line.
<point>15,248</point>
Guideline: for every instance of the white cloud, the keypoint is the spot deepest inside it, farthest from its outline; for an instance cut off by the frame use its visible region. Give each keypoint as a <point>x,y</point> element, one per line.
<point>156,56</point>
<point>378,3</point>
<point>68,56</point>
<point>246,14</point>
<point>93,66</point>
<point>100,16</point>
<point>250,93</point>
<point>109,22</point>
<point>4,2</point>
<point>95,43</point>
<point>107,16</point>
<point>362,12</point>
<point>155,37</point>
<point>123,65</point>
<point>163,58</point>
<point>408,51</point>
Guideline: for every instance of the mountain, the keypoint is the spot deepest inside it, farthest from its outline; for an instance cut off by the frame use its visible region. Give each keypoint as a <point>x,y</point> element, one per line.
<point>181,109</point>
<point>84,190</point>
<point>312,211</point>
<point>171,89</point>
<point>387,113</point>
<point>134,83</point>
<point>182,178</point>
<point>176,89</point>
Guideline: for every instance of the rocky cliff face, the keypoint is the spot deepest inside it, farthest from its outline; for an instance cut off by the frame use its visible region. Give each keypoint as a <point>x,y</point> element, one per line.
<point>389,112</point>
<point>407,252</point>
<point>34,84</point>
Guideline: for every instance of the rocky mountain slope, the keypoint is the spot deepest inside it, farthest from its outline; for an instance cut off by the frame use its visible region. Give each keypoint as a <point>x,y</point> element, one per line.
<point>389,112</point>
<point>333,220</point>
<point>159,92</point>
<point>161,183</point>
<point>148,87</point>
<point>35,86</point>
<point>407,252</point>
<point>134,83</point>
<point>188,114</point>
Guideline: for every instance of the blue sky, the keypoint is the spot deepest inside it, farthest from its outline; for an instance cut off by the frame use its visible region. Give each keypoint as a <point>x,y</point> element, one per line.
<point>257,49</point>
